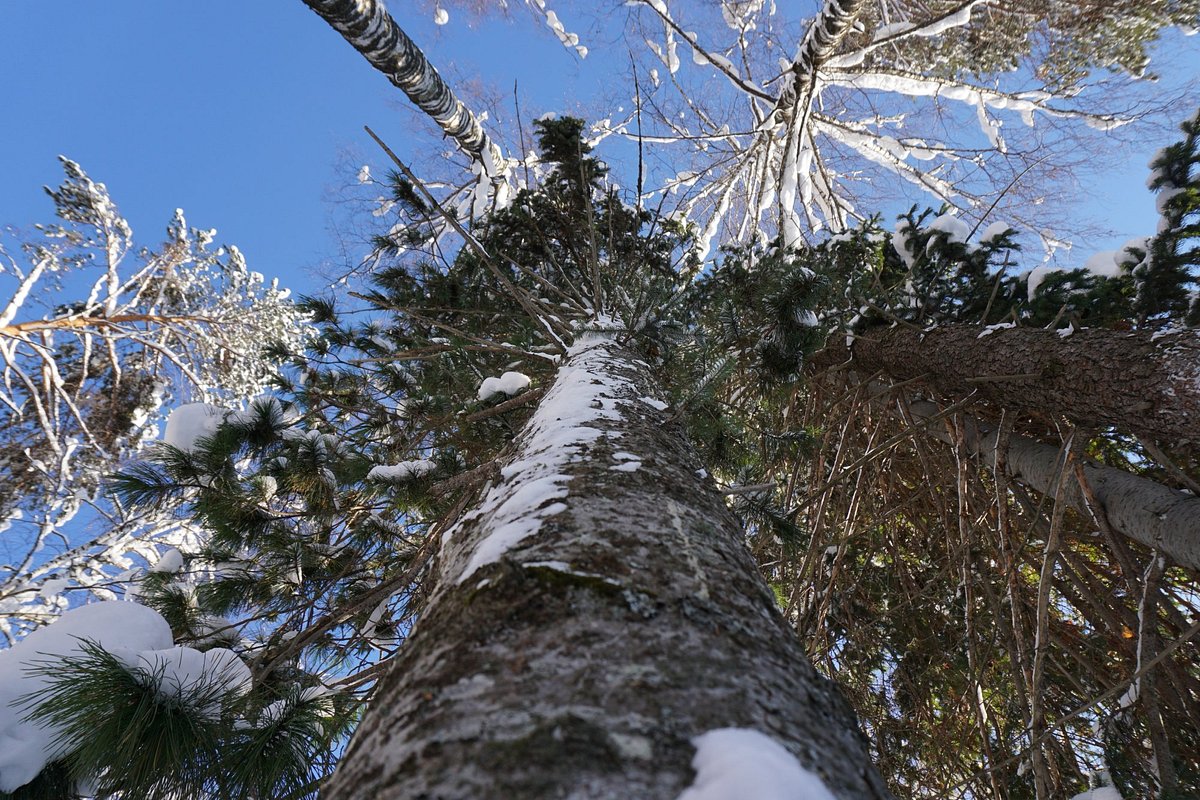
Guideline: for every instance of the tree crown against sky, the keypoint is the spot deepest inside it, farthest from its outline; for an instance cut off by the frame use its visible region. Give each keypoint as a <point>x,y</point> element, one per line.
<point>216,170</point>
<point>708,92</point>
<point>98,340</point>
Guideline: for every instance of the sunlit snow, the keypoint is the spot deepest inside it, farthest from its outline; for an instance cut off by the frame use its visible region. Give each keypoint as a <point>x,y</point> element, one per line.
<point>26,747</point>
<point>740,763</point>
<point>190,422</point>
<point>510,383</point>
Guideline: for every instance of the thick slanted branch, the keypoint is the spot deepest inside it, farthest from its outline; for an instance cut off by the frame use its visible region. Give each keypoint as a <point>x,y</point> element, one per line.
<point>1141,509</point>
<point>19,329</point>
<point>368,27</point>
<point>1137,381</point>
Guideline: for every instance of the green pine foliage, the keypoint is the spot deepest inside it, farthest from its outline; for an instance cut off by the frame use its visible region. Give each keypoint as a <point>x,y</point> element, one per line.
<point>1167,278</point>
<point>128,733</point>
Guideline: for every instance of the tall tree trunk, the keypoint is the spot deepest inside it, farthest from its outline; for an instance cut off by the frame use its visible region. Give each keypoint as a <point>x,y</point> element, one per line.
<point>835,19</point>
<point>1141,382</point>
<point>368,27</point>
<point>592,615</point>
<point>1139,508</point>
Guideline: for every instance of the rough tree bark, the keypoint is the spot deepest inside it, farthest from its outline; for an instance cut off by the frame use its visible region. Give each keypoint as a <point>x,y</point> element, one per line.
<point>595,612</point>
<point>1138,381</point>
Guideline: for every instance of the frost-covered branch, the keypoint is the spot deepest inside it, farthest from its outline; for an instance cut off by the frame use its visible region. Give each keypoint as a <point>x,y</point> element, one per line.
<point>84,384</point>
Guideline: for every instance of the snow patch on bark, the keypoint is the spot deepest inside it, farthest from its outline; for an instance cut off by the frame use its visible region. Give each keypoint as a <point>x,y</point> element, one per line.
<point>733,763</point>
<point>532,488</point>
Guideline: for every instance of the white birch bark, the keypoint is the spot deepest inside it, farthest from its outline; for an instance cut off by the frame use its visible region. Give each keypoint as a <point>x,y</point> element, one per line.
<point>370,29</point>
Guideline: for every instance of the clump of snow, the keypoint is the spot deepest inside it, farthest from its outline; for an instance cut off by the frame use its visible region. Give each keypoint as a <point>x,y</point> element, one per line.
<point>737,763</point>
<point>955,229</point>
<point>170,561</point>
<point>510,383</point>
<point>902,242</point>
<point>140,640</point>
<point>364,174</point>
<point>174,671</point>
<point>995,231</point>
<point>190,422</point>
<point>441,16</point>
<point>404,471</point>
<point>999,326</point>
<point>655,403</point>
<point>1105,264</point>
<point>26,747</point>
<point>1034,278</point>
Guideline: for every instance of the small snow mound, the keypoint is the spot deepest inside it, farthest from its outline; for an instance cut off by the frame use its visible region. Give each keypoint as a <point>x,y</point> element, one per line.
<point>999,326</point>
<point>1104,264</point>
<point>995,231</point>
<point>955,229</point>
<point>181,670</point>
<point>190,422</point>
<point>1034,278</point>
<point>510,383</point>
<point>404,471</point>
<point>441,16</point>
<point>170,561</point>
<point>736,763</point>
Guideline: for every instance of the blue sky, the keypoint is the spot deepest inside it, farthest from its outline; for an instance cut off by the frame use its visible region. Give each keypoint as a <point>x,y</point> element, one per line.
<point>249,114</point>
<point>245,113</point>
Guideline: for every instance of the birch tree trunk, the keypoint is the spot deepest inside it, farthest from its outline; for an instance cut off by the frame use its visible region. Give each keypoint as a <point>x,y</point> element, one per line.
<point>1141,382</point>
<point>592,615</point>
<point>370,30</point>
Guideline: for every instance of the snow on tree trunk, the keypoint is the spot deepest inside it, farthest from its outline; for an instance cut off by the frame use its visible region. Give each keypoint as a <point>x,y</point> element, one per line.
<point>1136,507</point>
<point>1141,382</point>
<point>368,27</point>
<point>596,612</point>
<point>826,32</point>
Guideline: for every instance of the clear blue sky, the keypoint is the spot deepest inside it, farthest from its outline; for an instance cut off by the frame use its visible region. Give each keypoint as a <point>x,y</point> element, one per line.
<point>237,111</point>
<point>248,114</point>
